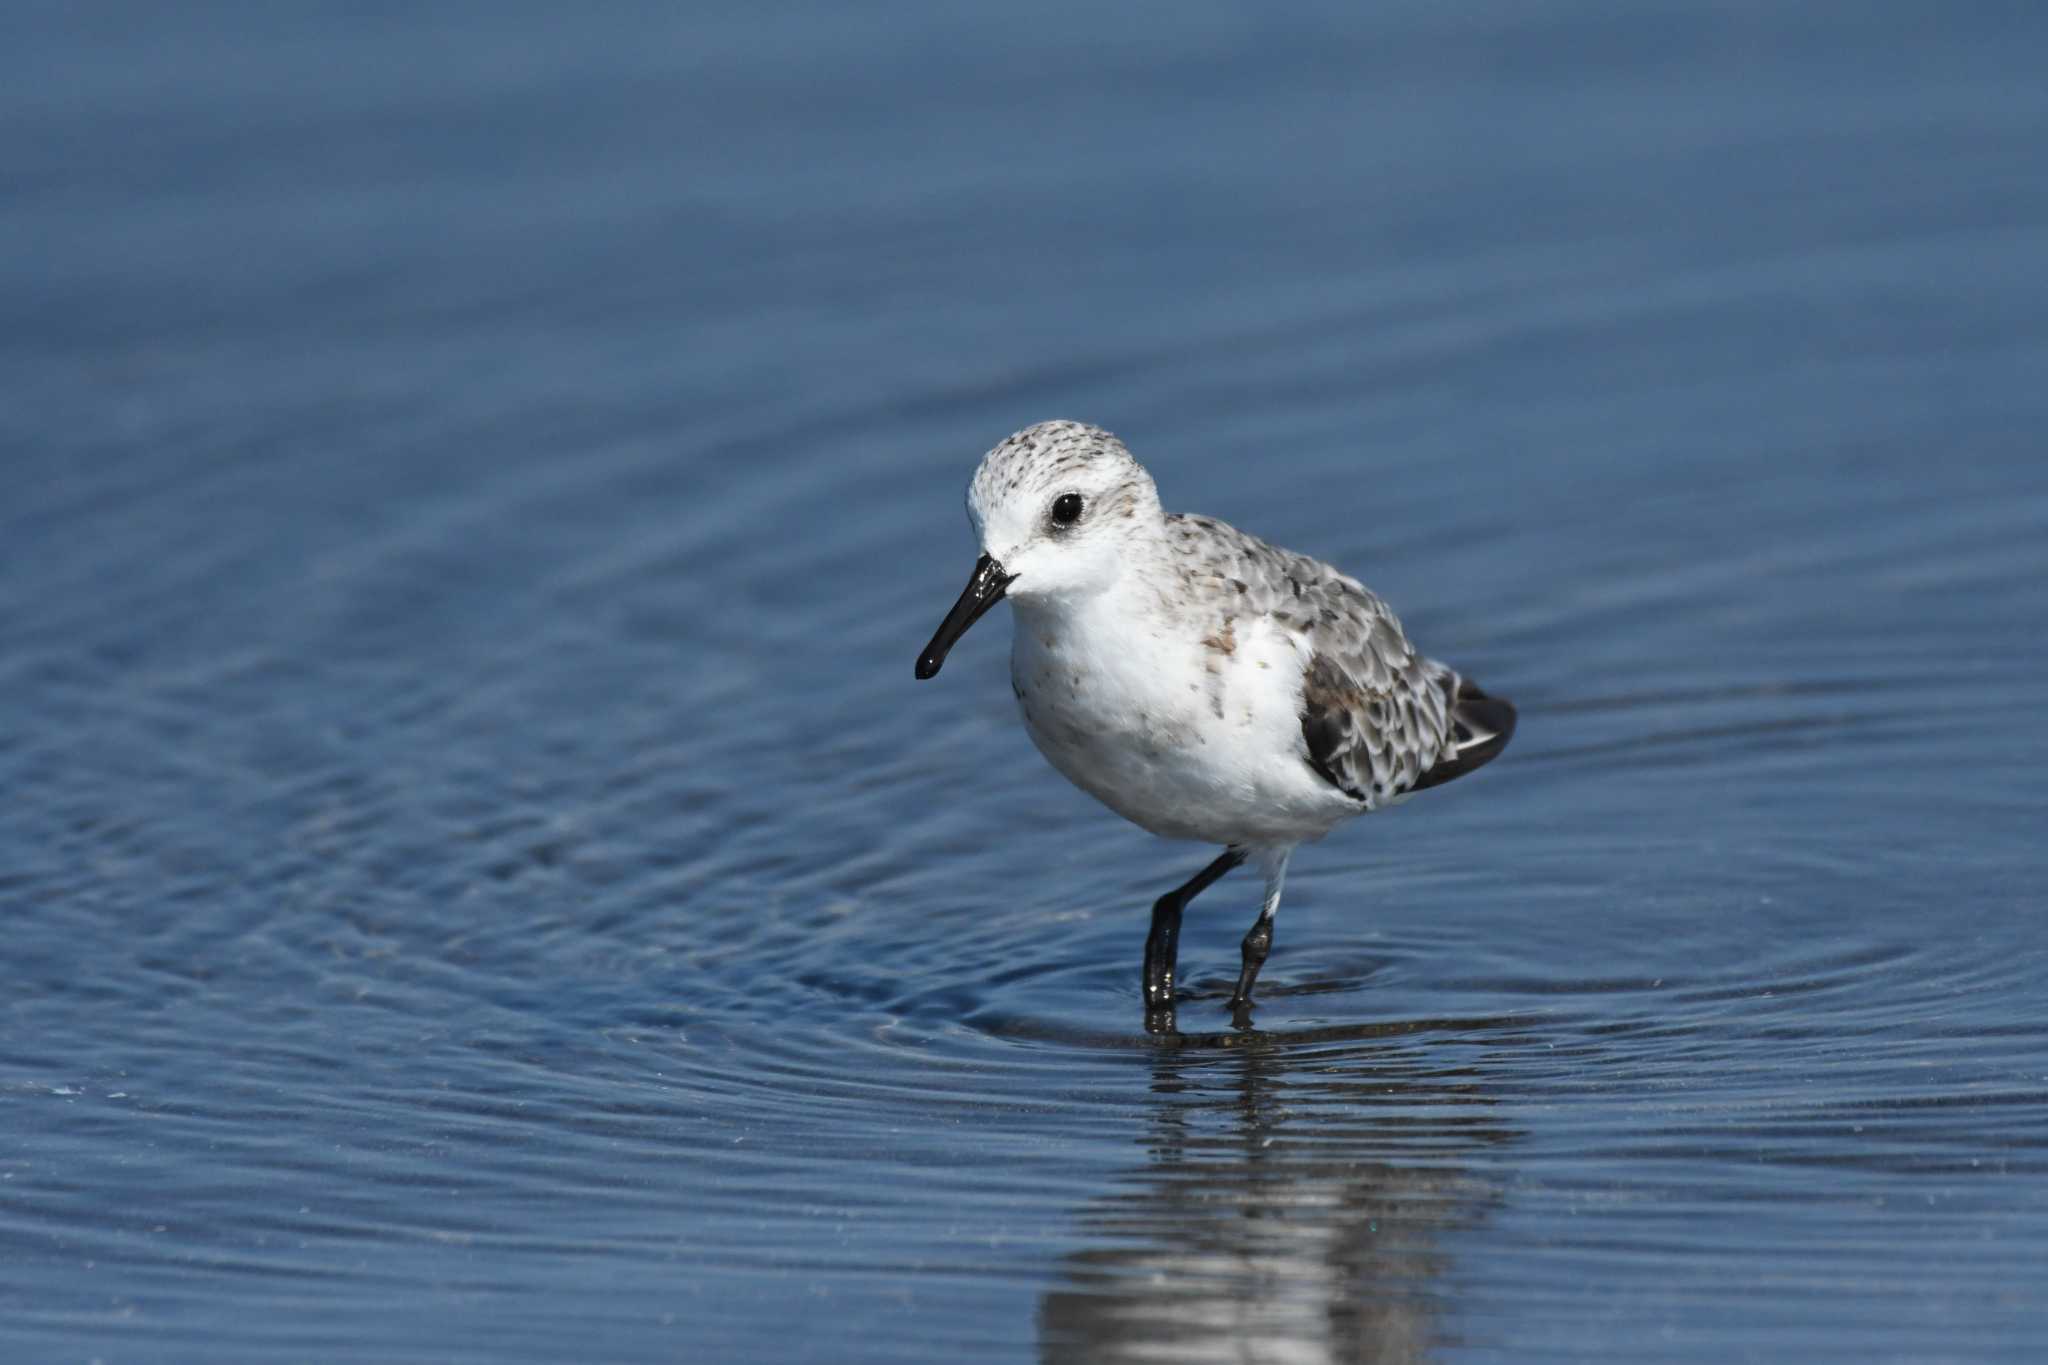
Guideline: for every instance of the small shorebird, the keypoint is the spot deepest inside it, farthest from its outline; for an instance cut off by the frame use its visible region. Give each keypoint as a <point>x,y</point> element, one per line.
<point>1197,681</point>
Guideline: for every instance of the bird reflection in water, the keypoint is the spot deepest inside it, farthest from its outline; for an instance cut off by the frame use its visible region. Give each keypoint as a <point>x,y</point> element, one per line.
<point>1293,1201</point>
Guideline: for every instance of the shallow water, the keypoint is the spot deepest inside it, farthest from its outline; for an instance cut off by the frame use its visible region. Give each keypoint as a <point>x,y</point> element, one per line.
<point>482,884</point>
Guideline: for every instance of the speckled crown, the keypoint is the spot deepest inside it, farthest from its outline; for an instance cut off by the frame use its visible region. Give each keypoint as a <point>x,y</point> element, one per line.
<point>1046,455</point>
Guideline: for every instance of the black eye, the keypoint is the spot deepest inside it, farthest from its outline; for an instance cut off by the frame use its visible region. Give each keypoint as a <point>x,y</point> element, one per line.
<point>1066,509</point>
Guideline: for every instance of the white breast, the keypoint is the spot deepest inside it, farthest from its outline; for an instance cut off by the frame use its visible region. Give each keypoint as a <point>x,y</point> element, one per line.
<point>1189,736</point>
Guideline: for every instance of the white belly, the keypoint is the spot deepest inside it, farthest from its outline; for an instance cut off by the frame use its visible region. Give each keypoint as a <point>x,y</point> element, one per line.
<point>1189,738</point>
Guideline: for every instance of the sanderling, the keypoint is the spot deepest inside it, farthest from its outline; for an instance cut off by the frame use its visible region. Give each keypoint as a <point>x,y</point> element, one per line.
<point>1197,681</point>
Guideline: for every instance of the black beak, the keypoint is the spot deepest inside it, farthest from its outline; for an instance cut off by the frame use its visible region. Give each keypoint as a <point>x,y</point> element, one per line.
<point>983,591</point>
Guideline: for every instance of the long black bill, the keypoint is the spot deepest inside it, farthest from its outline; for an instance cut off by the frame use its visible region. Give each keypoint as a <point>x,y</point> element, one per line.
<point>983,591</point>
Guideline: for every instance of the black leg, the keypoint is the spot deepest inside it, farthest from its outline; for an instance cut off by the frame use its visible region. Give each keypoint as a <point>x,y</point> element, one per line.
<point>1162,948</point>
<point>1162,945</point>
<point>1256,945</point>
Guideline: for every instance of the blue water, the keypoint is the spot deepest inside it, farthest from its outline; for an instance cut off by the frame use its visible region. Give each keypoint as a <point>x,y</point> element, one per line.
<point>480,883</point>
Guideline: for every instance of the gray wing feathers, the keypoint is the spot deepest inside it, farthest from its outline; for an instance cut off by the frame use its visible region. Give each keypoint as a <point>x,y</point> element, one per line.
<point>1375,724</point>
<point>1377,719</point>
<point>1376,743</point>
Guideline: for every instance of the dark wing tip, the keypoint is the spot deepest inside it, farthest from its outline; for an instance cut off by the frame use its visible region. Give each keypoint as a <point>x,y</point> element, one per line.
<point>1481,727</point>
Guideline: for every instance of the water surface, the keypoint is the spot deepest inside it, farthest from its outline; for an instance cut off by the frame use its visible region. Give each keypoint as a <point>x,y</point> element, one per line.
<point>482,884</point>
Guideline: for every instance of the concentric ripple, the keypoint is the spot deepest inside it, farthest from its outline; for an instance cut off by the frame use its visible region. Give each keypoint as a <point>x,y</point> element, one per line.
<point>481,883</point>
